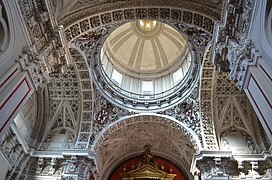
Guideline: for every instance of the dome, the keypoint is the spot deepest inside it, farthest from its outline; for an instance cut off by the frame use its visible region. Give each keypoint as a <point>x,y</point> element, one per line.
<point>145,47</point>
<point>144,62</point>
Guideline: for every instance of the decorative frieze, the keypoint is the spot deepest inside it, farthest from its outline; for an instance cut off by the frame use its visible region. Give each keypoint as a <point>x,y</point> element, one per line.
<point>68,167</point>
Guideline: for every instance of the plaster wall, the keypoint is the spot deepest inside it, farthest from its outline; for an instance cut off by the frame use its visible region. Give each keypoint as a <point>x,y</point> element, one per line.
<point>258,79</point>
<point>18,37</point>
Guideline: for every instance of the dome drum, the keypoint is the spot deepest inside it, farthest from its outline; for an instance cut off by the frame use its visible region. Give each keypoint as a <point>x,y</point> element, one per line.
<point>144,73</point>
<point>148,102</point>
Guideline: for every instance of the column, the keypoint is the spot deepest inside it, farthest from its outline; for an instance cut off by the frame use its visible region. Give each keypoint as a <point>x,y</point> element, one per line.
<point>15,89</point>
<point>258,87</point>
<point>18,83</point>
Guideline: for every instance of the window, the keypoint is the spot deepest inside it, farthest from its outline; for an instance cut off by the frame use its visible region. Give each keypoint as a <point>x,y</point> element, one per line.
<point>177,75</point>
<point>102,53</point>
<point>116,77</point>
<point>147,87</point>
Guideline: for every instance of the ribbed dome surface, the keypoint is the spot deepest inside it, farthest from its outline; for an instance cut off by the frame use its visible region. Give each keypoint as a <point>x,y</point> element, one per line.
<point>145,46</point>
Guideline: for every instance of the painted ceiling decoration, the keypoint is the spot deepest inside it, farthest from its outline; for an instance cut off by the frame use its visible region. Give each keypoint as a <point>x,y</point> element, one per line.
<point>89,126</point>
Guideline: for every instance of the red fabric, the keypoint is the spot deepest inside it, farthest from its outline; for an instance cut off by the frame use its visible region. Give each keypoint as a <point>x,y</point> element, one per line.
<point>134,161</point>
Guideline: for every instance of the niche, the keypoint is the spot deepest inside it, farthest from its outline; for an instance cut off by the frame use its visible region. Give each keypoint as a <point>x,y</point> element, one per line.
<point>237,141</point>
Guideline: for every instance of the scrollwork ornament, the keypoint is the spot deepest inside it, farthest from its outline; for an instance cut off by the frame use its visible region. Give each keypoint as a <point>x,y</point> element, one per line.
<point>105,113</point>
<point>234,51</point>
<point>187,112</point>
<point>36,66</point>
<point>89,41</point>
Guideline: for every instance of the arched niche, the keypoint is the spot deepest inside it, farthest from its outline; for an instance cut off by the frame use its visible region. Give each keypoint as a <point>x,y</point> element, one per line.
<point>237,141</point>
<point>59,139</point>
<point>32,118</point>
<point>27,118</point>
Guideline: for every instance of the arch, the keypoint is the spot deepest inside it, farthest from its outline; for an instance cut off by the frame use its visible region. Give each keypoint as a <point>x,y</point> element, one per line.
<point>206,8</point>
<point>165,14</point>
<point>86,86</point>
<point>125,120</point>
<point>206,98</point>
<point>103,139</point>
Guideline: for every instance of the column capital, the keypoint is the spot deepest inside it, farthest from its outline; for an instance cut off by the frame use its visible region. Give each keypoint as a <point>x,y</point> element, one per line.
<point>36,67</point>
<point>225,164</point>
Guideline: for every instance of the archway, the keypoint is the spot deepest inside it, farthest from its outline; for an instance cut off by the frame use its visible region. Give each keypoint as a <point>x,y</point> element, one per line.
<point>126,138</point>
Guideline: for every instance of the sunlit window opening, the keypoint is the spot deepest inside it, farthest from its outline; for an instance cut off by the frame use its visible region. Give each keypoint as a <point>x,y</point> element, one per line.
<point>178,75</point>
<point>147,25</point>
<point>117,77</point>
<point>147,87</point>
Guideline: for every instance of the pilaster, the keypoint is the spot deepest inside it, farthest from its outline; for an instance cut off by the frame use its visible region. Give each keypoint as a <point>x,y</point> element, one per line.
<point>15,89</point>
<point>258,86</point>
